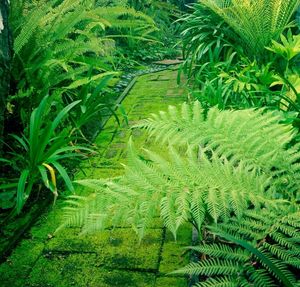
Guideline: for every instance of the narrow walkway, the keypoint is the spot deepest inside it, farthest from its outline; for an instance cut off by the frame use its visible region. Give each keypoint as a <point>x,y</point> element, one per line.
<point>112,258</point>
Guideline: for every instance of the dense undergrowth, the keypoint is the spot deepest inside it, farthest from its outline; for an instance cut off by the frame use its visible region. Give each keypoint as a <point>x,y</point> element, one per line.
<point>229,159</point>
<point>66,57</point>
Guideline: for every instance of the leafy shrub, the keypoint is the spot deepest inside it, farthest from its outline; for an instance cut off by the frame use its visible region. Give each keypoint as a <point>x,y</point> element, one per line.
<point>39,153</point>
<point>63,55</point>
<point>236,70</point>
<point>58,43</point>
<point>287,69</point>
<point>205,38</point>
<point>256,23</point>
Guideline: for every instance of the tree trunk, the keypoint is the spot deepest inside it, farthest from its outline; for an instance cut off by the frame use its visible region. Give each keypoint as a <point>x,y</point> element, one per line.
<point>5,58</point>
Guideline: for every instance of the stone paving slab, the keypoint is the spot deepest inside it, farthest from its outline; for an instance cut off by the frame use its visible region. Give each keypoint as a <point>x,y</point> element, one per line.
<point>112,258</point>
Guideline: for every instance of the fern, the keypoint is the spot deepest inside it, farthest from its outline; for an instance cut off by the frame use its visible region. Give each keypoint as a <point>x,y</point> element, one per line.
<point>260,256</point>
<point>255,22</point>
<point>56,39</point>
<point>175,185</point>
<point>224,179</point>
<point>253,136</point>
<point>28,30</point>
<point>210,184</point>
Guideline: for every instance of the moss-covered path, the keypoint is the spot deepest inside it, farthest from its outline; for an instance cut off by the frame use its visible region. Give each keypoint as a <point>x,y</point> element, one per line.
<point>113,257</point>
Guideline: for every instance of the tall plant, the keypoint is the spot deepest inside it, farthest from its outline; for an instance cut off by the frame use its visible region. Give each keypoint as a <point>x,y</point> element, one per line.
<point>57,43</point>
<point>38,153</point>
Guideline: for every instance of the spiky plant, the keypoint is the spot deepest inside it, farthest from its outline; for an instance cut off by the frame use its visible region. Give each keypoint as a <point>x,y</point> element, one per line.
<point>206,39</point>
<point>39,153</point>
<point>233,161</point>
<point>255,22</point>
<point>260,249</point>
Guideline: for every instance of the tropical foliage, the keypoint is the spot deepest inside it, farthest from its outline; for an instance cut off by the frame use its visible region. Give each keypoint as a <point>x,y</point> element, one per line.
<point>256,23</point>
<point>229,173</point>
<point>43,148</point>
<point>218,180</point>
<point>227,162</point>
<point>256,250</point>
<point>76,33</point>
<point>230,57</point>
<point>65,55</point>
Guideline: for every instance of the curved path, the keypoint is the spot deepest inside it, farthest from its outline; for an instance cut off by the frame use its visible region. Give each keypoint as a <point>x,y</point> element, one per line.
<point>112,258</point>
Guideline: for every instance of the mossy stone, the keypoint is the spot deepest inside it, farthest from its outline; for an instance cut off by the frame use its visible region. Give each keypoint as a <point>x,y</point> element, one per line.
<point>171,282</point>
<point>17,267</point>
<point>173,257</point>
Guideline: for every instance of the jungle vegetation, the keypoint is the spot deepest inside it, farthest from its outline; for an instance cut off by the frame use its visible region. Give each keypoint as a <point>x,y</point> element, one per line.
<point>228,159</point>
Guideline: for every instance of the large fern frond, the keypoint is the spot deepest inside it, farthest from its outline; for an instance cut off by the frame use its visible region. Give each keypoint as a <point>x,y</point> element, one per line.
<point>177,188</point>
<point>255,137</point>
<point>256,22</point>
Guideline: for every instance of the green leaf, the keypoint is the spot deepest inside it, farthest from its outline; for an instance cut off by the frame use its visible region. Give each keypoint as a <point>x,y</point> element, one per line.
<point>64,175</point>
<point>21,196</point>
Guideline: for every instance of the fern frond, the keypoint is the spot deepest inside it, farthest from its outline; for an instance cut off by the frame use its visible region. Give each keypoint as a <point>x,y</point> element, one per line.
<point>253,136</point>
<point>210,267</point>
<point>28,29</point>
<point>222,251</point>
<point>262,258</point>
<point>225,281</point>
<point>182,189</point>
<point>256,22</point>
<point>220,177</point>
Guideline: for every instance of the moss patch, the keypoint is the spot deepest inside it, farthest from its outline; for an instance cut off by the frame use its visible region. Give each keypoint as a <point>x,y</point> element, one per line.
<point>20,263</point>
<point>170,281</point>
<point>81,271</point>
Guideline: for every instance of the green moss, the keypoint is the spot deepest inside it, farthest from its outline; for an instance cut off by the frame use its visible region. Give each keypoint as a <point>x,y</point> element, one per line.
<point>118,248</point>
<point>17,267</point>
<point>81,270</point>
<point>184,235</point>
<point>69,240</point>
<point>127,279</point>
<point>48,273</point>
<point>173,257</point>
<point>123,250</point>
<point>170,281</point>
<point>107,172</point>
<point>48,223</point>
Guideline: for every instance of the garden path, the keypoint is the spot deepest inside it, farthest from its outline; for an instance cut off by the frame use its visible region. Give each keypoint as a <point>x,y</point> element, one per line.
<point>112,258</point>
